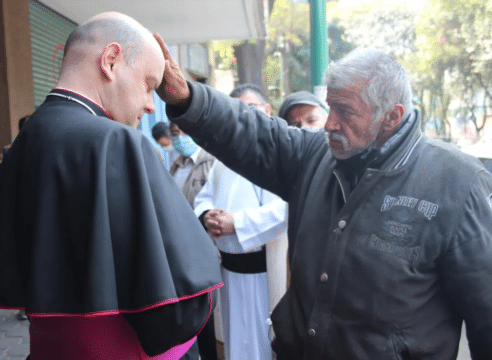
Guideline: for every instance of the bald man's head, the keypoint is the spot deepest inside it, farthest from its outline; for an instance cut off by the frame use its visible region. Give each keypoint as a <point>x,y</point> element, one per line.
<point>116,62</point>
<point>100,31</point>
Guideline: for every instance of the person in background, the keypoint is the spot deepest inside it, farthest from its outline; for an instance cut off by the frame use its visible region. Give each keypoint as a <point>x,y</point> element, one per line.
<point>191,168</point>
<point>243,218</point>
<point>303,109</point>
<point>3,154</point>
<point>390,232</point>
<point>162,135</point>
<point>98,246</point>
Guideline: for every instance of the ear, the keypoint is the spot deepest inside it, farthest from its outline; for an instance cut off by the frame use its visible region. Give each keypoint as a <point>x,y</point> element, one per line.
<point>268,109</point>
<point>110,56</point>
<point>393,118</point>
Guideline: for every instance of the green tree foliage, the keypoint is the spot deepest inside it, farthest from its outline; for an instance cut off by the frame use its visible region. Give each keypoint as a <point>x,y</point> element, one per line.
<point>288,60</point>
<point>453,60</point>
<point>287,64</point>
<point>337,38</point>
<point>392,30</point>
<point>445,45</point>
<point>224,54</point>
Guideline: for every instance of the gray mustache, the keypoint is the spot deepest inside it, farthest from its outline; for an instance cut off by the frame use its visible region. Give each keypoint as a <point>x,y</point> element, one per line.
<point>336,136</point>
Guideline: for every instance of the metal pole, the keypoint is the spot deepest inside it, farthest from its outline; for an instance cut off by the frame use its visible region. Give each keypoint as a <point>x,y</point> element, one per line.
<point>319,46</point>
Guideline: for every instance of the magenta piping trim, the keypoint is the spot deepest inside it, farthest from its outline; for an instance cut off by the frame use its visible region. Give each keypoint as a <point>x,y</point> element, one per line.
<point>209,313</point>
<point>76,93</point>
<point>12,307</point>
<point>114,312</point>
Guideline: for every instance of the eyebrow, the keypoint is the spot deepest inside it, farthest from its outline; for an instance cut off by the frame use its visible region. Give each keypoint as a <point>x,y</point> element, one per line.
<point>342,106</point>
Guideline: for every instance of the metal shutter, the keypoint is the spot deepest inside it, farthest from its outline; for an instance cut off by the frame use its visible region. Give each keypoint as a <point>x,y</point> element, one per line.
<point>49,32</point>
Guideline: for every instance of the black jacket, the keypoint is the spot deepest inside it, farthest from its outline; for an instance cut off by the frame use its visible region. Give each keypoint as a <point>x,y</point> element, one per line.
<point>388,271</point>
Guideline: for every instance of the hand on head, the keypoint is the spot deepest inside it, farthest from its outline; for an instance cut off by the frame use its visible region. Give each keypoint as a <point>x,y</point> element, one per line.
<point>174,89</point>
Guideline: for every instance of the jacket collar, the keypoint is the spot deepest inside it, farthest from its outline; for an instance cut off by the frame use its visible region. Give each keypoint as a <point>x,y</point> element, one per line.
<point>394,153</point>
<point>90,105</point>
<point>401,146</point>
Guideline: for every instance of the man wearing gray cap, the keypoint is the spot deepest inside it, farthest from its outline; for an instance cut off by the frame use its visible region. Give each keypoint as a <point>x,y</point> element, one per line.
<point>303,109</point>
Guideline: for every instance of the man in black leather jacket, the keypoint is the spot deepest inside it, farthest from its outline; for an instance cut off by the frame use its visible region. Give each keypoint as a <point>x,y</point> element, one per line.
<point>390,232</point>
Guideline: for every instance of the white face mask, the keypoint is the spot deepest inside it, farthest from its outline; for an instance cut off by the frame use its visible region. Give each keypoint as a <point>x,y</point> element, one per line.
<point>168,148</point>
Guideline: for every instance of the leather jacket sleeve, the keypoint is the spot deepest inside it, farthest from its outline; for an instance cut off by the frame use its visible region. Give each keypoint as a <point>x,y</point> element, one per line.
<point>266,150</point>
<point>467,267</point>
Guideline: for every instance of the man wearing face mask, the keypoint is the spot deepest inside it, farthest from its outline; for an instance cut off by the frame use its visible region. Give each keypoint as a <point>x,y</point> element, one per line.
<point>162,135</point>
<point>190,170</point>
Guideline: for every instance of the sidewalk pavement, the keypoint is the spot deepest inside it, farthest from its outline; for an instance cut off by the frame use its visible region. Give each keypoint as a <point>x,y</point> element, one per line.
<point>14,338</point>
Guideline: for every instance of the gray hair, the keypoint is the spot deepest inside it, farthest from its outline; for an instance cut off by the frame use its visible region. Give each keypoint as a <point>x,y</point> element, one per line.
<point>105,31</point>
<point>388,83</point>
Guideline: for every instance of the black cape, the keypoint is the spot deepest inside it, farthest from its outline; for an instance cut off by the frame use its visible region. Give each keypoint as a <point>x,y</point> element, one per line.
<point>92,222</point>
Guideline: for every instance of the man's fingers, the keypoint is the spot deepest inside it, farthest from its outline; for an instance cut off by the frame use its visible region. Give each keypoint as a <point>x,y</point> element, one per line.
<point>212,224</point>
<point>163,46</point>
<point>216,232</point>
<point>173,89</point>
<point>214,213</point>
<point>165,50</point>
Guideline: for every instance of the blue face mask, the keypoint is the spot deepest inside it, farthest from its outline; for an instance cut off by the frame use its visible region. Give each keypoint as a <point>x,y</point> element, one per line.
<point>184,145</point>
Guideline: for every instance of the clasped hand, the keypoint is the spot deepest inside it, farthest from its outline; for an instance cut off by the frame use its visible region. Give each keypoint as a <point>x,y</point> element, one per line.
<point>219,223</point>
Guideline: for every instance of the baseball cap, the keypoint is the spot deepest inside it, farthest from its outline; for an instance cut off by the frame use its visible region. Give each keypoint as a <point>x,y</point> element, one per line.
<point>299,98</point>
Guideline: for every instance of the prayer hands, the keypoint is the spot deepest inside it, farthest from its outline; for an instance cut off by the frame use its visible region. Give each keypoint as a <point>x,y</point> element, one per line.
<point>174,89</point>
<point>219,222</point>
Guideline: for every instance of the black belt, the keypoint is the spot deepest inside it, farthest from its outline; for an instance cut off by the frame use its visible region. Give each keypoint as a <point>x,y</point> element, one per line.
<point>245,263</point>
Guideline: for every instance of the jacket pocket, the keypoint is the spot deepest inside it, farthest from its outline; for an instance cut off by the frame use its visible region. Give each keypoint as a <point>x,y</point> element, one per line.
<point>286,344</point>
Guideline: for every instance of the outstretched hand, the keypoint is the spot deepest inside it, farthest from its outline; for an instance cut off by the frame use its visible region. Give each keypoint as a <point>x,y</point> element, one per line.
<point>174,89</point>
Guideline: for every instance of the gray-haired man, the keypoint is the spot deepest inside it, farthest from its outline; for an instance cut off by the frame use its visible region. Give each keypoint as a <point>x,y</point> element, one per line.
<point>390,232</point>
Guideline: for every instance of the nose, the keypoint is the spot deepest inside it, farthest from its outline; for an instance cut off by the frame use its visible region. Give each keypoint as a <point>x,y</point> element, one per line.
<point>332,122</point>
<point>150,107</point>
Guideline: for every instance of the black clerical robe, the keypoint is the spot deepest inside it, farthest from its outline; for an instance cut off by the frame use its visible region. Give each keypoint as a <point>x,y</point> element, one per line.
<point>92,223</point>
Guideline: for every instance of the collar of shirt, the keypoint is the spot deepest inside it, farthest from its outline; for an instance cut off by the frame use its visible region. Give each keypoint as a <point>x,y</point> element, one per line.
<point>194,156</point>
<point>82,100</point>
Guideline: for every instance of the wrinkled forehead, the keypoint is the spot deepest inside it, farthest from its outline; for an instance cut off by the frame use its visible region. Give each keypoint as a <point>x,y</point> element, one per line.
<point>250,97</point>
<point>300,109</point>
<point>351,92</point>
